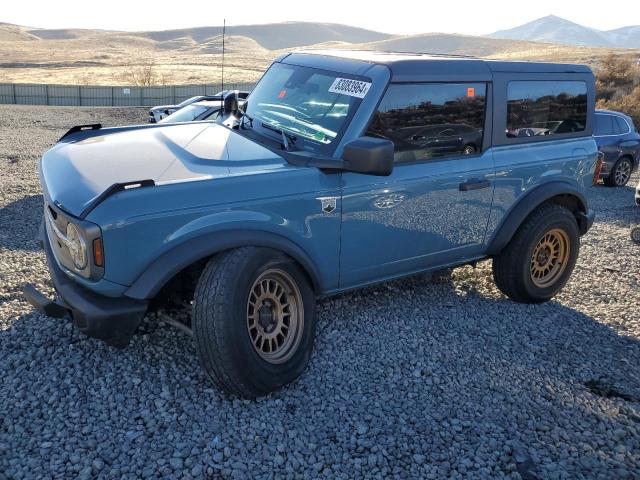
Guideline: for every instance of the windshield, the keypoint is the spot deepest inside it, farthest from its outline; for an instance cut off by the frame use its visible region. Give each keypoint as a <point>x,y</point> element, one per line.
<point>186,114</point>
<point>311,105</point>
<point>189,101</point>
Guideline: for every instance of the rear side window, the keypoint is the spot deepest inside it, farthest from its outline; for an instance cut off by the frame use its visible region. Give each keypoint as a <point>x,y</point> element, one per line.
<point>622,125</point>
<point>427,121</point>
<point>540,108</point>
<point>604,125</point>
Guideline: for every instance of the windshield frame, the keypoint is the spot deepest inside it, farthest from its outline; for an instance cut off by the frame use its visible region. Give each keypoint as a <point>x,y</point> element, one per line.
<point>301,142</point>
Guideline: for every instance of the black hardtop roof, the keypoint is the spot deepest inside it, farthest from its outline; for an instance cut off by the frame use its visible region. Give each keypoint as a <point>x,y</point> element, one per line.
<point>406,66</point>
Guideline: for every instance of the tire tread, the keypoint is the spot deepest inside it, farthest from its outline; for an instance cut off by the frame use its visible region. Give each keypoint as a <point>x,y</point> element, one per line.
<point>212,301</point>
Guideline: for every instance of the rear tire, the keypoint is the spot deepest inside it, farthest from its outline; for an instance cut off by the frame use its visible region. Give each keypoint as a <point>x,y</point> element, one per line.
<point>620,173</point>
<point>253,321</point>
<point>539,259</point>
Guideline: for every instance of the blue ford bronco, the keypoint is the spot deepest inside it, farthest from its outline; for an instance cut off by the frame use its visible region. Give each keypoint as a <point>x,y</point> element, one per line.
<point>342,169</point>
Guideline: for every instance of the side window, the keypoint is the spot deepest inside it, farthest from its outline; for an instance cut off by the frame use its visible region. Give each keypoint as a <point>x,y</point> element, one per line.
<point>427,121</point>
<point>538,108</point>
<point>616,126</point>
<point>622,126</point>
<point>604,125</point>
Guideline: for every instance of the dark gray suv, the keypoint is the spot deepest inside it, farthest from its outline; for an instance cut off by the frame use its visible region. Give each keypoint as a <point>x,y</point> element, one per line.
<point>619,140</point>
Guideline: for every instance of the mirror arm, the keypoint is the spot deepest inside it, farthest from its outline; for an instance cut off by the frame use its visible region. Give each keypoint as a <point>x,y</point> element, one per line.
<point>304,159</point>
<point>326,163</point>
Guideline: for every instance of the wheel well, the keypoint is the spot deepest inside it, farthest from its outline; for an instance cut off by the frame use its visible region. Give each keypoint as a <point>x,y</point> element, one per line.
<point>630,157</point>
<point>181,287</point>
<point>527,206</point>
<point>193,253</point>
<point>568,201</point>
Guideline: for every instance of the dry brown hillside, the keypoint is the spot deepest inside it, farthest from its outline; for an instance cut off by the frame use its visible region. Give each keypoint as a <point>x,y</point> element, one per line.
<point>77,56</point>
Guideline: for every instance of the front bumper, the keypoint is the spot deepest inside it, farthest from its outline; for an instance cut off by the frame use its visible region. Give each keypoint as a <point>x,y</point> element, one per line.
<point>113,320</point>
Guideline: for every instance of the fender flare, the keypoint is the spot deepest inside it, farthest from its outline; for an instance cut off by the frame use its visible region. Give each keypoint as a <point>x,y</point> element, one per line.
<point>529,202</point>
<point>171,262</point>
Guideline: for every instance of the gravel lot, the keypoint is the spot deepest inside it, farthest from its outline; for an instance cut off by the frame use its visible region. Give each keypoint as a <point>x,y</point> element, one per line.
<point>415,378</point>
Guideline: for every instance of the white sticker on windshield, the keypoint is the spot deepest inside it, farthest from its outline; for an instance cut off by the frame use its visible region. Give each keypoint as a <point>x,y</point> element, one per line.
<point>353,88</point>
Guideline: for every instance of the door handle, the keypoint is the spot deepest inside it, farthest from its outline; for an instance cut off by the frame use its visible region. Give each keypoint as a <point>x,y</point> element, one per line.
<point>474,184</point>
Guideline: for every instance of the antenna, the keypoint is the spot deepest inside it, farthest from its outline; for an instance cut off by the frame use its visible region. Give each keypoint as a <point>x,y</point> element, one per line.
<point>224,28</point>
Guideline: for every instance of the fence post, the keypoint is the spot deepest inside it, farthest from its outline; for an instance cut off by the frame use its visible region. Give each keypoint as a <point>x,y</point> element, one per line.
<point>112,99</point>
<point>13,92</point>
<point>173,94</point>
<point>79,95</point>
<point>46,93</point>
<point>141,97</point>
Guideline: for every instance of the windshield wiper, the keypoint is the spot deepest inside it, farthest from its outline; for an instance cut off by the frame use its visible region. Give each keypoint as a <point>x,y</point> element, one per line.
<point>287,138</point>
<point>243,122</point>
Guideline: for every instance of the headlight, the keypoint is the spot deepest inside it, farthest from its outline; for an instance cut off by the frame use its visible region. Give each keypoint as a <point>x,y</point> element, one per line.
<point>77,246</point>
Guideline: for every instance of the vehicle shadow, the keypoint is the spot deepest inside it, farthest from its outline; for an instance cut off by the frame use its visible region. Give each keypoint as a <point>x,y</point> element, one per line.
<point>456,316</point>
<point>21,220</point>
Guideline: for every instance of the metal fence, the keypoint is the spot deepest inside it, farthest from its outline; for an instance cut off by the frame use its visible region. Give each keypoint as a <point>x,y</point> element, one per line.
<point>101,96</point>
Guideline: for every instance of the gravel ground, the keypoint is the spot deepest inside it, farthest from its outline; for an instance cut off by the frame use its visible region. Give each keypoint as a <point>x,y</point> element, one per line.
<point>415,378</point>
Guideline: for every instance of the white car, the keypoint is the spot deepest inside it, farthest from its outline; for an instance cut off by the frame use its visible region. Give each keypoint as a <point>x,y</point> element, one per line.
<point>162,111</point>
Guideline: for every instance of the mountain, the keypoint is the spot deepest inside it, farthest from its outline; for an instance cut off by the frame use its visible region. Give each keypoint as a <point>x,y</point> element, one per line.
<point>552,29</point>
<point>274,36</point>
<point>451,44</point>
<point>626,37</point>
<point>193,55</point>
<point>12,33</point>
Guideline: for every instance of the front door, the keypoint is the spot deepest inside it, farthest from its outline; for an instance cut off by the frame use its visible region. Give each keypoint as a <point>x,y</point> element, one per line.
<point>434,208</point>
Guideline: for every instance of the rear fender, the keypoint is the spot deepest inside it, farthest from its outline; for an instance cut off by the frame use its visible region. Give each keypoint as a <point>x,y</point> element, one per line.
<point>563,192</point>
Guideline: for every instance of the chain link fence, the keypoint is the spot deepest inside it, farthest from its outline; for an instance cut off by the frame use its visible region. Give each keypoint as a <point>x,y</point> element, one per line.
<point>101,96</point>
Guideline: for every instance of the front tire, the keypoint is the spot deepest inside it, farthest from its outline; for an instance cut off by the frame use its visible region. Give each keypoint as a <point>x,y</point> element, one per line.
<point>539,259</point>
<point>620,173</point>
<point>253,321</point>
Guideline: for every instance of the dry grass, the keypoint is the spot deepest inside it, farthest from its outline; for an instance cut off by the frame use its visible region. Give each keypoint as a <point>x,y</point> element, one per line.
<point>110,60</point>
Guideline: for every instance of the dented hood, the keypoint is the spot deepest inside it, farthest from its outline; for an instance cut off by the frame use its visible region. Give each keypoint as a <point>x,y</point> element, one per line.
<point>81,167</point>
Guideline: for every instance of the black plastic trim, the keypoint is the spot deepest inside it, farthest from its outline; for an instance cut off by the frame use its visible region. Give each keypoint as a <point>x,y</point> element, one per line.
<point>113,320</point>
<point>528,203</point>
<point>79,128</point>
<point>149,283</point>
<point>113,189</point>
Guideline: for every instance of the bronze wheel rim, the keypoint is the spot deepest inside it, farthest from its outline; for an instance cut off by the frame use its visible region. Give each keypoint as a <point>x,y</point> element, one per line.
<point>550,258</point>
<point>275,316</point>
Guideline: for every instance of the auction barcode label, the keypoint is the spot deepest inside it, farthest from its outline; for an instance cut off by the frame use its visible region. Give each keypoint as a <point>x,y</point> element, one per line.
<point>353,88</point>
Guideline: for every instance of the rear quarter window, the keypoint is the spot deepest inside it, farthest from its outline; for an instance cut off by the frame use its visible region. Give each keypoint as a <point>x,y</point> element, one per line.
<point>545,108</point>
<point>622,125</point>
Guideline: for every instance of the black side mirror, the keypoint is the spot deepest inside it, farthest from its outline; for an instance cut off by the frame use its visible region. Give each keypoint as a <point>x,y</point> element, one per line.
<point>369,155</point>
<point>230,103</point>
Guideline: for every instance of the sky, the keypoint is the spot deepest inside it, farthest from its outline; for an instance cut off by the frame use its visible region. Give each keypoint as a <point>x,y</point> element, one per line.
<point>400,16</point>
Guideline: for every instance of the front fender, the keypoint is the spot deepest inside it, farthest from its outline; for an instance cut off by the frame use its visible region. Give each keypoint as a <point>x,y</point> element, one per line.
<point>149,283</point>
<point>528,203</point>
